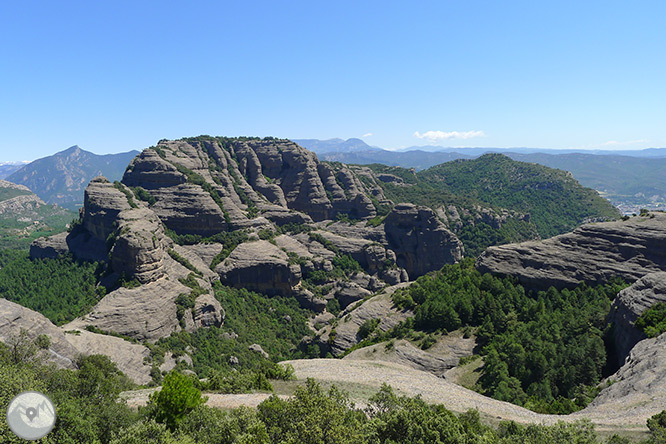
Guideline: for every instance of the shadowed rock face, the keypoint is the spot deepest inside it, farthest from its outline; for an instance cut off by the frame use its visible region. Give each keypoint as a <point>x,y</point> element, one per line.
<point>629,304</point>
<point>421,242</point>
<point>593,253</point>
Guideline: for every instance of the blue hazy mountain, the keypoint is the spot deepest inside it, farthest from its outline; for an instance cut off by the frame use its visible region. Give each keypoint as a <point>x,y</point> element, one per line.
<point>61,178</point>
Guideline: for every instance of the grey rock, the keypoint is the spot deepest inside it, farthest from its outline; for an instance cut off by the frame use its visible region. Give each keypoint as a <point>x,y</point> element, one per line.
<point>378,307</point>
<point>15,318</point>
<point>421,242</point>
<point>138,251</point>
<point>258,349</point>
<point>233,360</point>
<point>229,336</point>
<point>629,304</point>
<point>49,247</point>
<point>638,389</point>
<point>208,312</point>
<point>127,356</point>
<point>592,253</point>
<point>350,292</point>
<point>259,266</point>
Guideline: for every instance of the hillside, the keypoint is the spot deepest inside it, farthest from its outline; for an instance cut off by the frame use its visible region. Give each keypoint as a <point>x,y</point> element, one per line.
<point>555,201</point>
<point>25,217</point>
<point>61,178</point>
<point>494,200</point>
<point>629,179</point>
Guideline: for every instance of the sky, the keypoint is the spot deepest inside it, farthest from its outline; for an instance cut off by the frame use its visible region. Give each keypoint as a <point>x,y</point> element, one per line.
<point>121,75</point>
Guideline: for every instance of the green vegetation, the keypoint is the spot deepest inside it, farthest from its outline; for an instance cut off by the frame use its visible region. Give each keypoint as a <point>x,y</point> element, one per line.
<point>653,321</point>
<point>368,327</point>
<point>177,398</point>
<point>183,261</point>
<point>276,323</point>
<point>10,193</point>
<point>144,195</point>
<point>555,202</point>
<point>543,350</point>
<point>126,191</point>
<point>89,411</point>
<point>60,289</point>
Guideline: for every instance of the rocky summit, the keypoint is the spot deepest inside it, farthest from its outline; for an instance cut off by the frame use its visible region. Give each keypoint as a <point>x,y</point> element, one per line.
<point>261,214</point>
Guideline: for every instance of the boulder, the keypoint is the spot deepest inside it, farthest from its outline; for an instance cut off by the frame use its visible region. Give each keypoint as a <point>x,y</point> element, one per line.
<point>258,349</point>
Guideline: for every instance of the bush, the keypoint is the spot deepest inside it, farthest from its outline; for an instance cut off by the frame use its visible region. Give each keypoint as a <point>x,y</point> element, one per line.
<point>177,398</point>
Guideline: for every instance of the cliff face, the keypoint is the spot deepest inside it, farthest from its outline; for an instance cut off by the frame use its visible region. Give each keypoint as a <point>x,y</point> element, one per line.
<point>592,253</point>
<point>206,186</point>
<point>267,208</point>
<point>629,304</point>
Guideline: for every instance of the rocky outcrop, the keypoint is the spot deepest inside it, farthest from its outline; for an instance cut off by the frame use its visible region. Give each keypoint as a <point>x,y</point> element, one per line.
<point>130,358</point>
<point>14,319</point>
<point>638,390</point>
<point>345,334</point>
<point>592,253</point>
<point>629,304</point>
<point>421,242</point>
<point>259,266</point>
<point>67,344</point>
<point>139,247</point>
<point>101,205</point>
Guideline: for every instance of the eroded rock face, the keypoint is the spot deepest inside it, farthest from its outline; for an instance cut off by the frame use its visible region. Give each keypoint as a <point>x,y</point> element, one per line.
<point>101,205</point>
<point>629,304</point>
<point>593,253</point>
<point>15,318</point>
<point>639,387</point>
<point>259,266</point>
<point>139,247</point>
<point>421,242</point>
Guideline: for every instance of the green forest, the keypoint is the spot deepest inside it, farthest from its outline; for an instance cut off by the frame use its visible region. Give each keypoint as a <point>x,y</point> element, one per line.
<point>60,289</point>
<point>89,410</point>
<point>543,350</point>
<point>555,202</point>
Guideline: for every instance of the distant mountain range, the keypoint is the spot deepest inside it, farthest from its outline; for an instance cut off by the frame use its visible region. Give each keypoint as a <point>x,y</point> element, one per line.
<point>7,168</point>
<point>331,146</point>
<point>61,178</point>
<point>629,179</point>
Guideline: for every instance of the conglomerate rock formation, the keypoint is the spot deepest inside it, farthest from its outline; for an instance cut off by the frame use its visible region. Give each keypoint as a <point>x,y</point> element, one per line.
<point>592,253</point>
<point>261,214</point>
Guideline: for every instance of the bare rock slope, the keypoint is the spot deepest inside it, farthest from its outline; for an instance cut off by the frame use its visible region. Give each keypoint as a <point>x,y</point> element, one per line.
<point>592,253</point>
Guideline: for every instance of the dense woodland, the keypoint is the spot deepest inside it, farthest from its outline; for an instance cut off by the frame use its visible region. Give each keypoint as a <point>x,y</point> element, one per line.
<point>60,289</point>
<point>543,350</point>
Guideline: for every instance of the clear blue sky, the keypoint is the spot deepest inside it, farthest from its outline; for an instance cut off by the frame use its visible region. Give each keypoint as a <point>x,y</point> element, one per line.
<point>119,75</point>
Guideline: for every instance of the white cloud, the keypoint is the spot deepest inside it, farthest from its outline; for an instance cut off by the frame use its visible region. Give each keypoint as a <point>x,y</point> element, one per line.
<point>444,135</point>
<point>625,143</point>
<point>366,135</point>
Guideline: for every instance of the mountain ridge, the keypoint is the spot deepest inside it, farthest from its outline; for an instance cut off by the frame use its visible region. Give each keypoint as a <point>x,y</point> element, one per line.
<point>61,177</point>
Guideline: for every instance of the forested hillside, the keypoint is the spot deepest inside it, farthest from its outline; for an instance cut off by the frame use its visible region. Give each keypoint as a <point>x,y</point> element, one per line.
<point>542,350</point>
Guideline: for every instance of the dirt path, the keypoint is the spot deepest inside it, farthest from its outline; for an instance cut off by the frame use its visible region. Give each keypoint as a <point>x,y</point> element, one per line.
<point>139,398</point>
<point>363,378</point>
